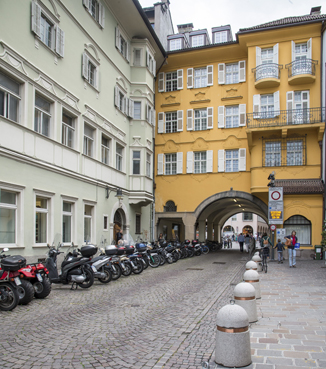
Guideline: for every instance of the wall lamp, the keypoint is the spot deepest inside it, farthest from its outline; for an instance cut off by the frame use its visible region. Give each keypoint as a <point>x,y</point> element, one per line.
<point>118,195</point>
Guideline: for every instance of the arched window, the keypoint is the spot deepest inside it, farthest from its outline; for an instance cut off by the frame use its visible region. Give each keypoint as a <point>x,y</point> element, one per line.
<point>170,206</point>
<point>302,226</point>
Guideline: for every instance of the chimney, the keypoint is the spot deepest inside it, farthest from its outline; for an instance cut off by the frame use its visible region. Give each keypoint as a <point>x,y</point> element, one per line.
<point>185,28</point>
<point>315,10</point>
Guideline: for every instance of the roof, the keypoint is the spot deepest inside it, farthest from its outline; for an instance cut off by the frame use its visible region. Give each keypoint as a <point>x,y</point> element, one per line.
<point>300,186</point>
<point>289,21</point>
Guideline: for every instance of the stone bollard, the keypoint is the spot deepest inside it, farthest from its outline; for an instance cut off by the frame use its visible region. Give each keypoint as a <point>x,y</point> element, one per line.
<point>232,337</point>
<point>257,259</point>
<point>251,265</point>
<point>245,296</point>
<point>251,276</point>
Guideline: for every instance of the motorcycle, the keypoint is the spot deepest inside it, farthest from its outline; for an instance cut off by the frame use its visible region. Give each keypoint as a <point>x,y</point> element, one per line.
<point>37,275</point>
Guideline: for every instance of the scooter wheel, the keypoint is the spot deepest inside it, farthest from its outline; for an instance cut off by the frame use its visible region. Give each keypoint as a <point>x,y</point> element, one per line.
<point>42,289</point>
<point>25,292</point>
<point>10,297</point>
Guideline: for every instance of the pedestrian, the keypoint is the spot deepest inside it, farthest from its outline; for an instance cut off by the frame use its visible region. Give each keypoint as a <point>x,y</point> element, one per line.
<point>290,242</point>
<point>247,241</point>
<point>265,241</point>
<point>119,235</point>
<point>280,247</point>
<point>241,241</point>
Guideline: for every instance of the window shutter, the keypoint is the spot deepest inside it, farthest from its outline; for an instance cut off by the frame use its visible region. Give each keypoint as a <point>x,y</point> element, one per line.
<point>275,54</point>
<point>209,164</point>
<point>293,50</point>
<point>85,66</point>
<point>101,16</point>
<point>96,77</point>
<point>258,56</point>
<point>289,105</point>
<point>154,67</point>
<point>210,75</point>
<point>117,38</point>
<point>153,117</point>
<point>190,77</point>
<point>242,115</point>
<point>147,59</point>
<point>242,160</point>
<point>221,74</point>
<point>190,160</point>
<point>160,124</point>
<point>242,71</point>
<point>179,162</point>
<point>180,121</point>
<point>60,41</point>
<point>86,4</point>
<point>190,114</point>
<point>160,168</point>
<point>276,103</point>
<point>36,19</point>
<point>305,100</point>
<point>220,160</point>
<point>210,120</point>
<point>131,108</point>
<point>309,50</point>
<point>180,79</point>
<point>125,105</point>
<point>221,123</point>
<point>256,103</point>
<point>128,52</point>
<point>161,82</point>
<point>116,96</point>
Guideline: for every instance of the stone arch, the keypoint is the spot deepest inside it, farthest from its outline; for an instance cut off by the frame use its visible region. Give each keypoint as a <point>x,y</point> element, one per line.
<point>121,207</point>
<point>92,47</point>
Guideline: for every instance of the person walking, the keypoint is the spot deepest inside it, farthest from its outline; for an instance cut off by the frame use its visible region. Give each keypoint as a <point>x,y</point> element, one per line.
<point>280,247</point>
<point>290,242</point>
<point>241,241</point>
<point>247,242</point>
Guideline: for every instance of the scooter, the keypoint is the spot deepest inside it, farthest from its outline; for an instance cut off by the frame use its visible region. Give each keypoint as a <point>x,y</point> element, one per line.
<point>37,275</point>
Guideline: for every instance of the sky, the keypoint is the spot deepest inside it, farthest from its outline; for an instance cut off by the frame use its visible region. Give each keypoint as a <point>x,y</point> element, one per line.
<point>237,13</point>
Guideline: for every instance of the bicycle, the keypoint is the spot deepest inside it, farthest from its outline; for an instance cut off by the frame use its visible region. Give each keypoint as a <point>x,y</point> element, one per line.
<point>265,254</point>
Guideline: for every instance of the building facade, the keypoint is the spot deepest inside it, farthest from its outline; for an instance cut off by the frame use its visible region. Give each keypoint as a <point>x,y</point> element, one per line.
<point>77,122</point>
<point>230,113</point>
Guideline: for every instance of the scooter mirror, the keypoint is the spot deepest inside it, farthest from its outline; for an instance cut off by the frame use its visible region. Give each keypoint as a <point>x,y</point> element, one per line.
<point>5,249</point>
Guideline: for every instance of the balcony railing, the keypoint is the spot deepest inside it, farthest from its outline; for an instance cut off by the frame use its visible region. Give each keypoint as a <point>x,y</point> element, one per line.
<point>302,66</point>
<point>285,117</point>
<point>270,70</point>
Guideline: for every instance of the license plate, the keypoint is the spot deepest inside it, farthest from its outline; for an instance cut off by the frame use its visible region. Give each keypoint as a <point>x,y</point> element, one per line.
<point>17,281</point>
<point>39,277</point>
<point>94,269</point>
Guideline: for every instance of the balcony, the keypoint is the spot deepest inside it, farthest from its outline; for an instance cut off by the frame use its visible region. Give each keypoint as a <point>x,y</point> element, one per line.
<point>301,71</point>
<point>285,118</point>
<point>267,75</point>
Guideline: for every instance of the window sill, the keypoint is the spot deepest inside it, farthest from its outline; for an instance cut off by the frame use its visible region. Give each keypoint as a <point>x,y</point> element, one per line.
<point>39,41</point>
<point>90,85</point>
<point>39,245</point>
<point>11,246</point>
<point>94,20</point>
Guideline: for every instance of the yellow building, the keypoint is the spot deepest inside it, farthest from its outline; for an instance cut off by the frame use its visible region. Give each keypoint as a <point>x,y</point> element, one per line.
<point>231,112</point>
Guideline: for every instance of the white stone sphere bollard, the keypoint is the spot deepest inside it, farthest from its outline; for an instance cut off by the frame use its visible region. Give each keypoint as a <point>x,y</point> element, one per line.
<point>251,276</point>
<point>257,259</point>
<point>245,296</point>
<point>251,265</point>
<point>232,337</point>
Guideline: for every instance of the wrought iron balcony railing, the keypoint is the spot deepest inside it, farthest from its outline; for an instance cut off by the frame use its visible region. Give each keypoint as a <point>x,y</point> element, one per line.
<point>270,70</point>
<point>302,66</point>
<point>285,117</point>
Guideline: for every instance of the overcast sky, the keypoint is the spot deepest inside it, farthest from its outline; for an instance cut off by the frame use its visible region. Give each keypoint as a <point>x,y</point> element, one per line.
<point>237,13</point>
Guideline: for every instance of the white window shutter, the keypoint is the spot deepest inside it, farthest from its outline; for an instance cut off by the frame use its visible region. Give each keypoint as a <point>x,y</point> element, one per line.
<point>220,160</point>
<point>128,52</point>
<point>101,17</point>
<point>309,50</point>
<point>210,75</point>
<point>96,77</point>
<point>242,71</point>
<point>117,38</point>
<point>180,79</point>
<point>60,41</point>
<point>242,115</point>
<point>209,164</point>
<point>160,123</point>
<point>36,19</point>
<point>190,78</point>
<point>221,74</point>
<point>190,124</point>
<point>160,167</point>
<point>179,162</point>
<point>85,66</point>
<point>289,106</point>
<point>190,161</point>
<point>210,119</point>
<point>125,105</point>
<point>153,117</point>
<point>256,104</point>
<point>116,96</point>
<point>180,120</point>
<point>242,160</point>
<point>258,56</point>
<point>161,82</point>
<point>275,54</point>
<point>293,50</point>
<point>147,58</point>
<point>154,67</point>
<point>131,108</point>
<point>221,120</point>
<point>86,4</point>
<point>276,103</point>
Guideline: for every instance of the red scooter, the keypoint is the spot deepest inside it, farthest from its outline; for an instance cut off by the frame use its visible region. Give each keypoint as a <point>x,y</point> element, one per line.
<point>37,275</point>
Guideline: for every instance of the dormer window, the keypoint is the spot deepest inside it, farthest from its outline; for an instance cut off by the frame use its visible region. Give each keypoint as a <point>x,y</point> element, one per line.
<point>220,37</point>
<point>198,40</point>
<point>176,44</point>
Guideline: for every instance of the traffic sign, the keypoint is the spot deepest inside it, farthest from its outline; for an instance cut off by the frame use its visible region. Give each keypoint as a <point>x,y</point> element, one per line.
<point>273,227</point>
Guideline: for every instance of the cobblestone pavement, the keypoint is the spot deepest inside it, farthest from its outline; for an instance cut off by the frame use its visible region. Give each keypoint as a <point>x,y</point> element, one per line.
<point>162,318</point>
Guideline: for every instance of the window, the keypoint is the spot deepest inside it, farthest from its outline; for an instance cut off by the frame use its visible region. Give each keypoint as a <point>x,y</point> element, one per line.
<point>302,227</point>
<point>138,224</point>
<point>90,70</point>
<point>267,56</point>
<point>171,81</point>
<point>105,222</point>
<point>123,103</point>
<point>231,73</point>
<point>247,216</point>
<point>137,110</point>
<point>267,63</point>
<point>123,46</point>
<point>88,223</point>
<point>68,130</point>
<point>234,217</point>
<point>136,162</point>
<point>89,132</point>
<point>294,151</point>
<point>231,160</point>
<point>105,150</point>
<point>47,30</point>
<point>148,165</point>
<point>42,116</point>
<point>284,152</point>
<point>200,162</point>
<point>232,116</point>
<point>200,77</point>
<point>220,37</point>
<point>198,40</point>
<point>150,63</point>
<point>9,98</point>
<point>67,214</point>
<point>96,10</point>
<point>119,157</point>
<point>150,114</point>
<point>41,219</point>
<point>170,164</point>
<point>170,206</point>
<point>297,107</point>
<point>171,122</point>
<point>137,57</point>
<point>273,154</point>
<point>267,106</point>
<point>8,214</point>
<point>200,119</point>
<point>176,44</point>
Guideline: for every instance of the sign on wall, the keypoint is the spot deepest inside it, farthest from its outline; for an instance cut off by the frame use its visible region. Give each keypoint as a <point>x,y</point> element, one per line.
<point>275,205</point>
